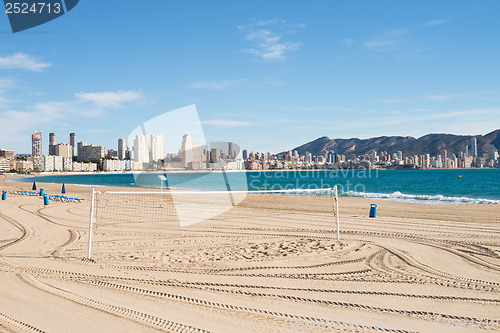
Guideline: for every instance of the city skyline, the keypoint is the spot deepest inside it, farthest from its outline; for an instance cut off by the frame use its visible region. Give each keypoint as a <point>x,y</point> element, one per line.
<point>273,75</point>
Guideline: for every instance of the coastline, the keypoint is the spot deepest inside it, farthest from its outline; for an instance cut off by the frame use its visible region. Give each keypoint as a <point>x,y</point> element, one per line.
<point>408,185</point>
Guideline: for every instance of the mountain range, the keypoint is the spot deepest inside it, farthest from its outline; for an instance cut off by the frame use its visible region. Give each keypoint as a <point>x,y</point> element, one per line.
<point>428,144</point>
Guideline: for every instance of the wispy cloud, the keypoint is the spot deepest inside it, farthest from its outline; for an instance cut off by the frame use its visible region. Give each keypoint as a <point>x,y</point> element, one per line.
<point>109,99</point>
<point>6,83</point>
<point>386,41</point>
<point>347,41</point>
<point>218,85</point>
<point>23,61</point>
<point>267,38</point>
<point>226,123</point>
<point>440,98</point>
<point>434,23</point>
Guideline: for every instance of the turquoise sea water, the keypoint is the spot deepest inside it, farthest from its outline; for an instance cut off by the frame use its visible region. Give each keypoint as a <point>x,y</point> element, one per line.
<point>424,186</point>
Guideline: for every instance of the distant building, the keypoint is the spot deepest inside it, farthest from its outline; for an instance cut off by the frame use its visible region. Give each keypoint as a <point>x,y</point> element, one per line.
<point>72,143</point>
<point>122,149</point>
<point>37,162</point>
<point>8,154</point>
<point>113,153</point>
<point>158,149</point>
<point>214,155</point>
<point>473,147</point>
<point>129,154</point>
<point>186,150</point>
<point>465,150</point>
<point>79,152</point>
<point>52,144</point>
<point>4,164</point>
<point>36,144</point>
<point>63,149</point>
<point>141,148</point>
<point>492,153</point>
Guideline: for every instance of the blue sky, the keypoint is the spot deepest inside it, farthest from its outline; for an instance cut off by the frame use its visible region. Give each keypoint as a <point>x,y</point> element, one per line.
<point>268,75</point>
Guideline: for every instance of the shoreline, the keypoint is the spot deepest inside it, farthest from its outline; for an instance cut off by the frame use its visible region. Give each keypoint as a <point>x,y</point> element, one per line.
<point>393,196</point>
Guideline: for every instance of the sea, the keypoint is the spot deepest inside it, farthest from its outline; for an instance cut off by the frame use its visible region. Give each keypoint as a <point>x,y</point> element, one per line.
<point>432,186</point>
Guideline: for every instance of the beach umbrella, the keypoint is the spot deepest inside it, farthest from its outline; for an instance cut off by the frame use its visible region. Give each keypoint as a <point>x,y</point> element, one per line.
<point>63,191</point>
<point>34,186</point>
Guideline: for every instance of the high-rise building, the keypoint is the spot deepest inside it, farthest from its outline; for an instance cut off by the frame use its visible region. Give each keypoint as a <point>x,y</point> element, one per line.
<point>80,146</point>
<point>186,150</point>
<point>141,148</point>
<point>52,144</point>
<point>36,144</point>
<point>214,154</point>
<point>308,157</point>
<point>492,152</point>
<point>129,154</point>
<point>230,153</point>
<point>244,154</point>
<point>473,147</point>
<point>72,143</point>
<point>122,149</point>
<point>330,157</point>
<point>465,150</point>
<point>158,149</point>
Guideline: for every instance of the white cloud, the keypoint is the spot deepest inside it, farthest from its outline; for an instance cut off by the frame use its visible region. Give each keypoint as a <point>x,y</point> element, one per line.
<point>386,41</point>
<point>6,83</point>
<point>225,123</point>
<point>435,22</point>
<point>24,61</point>
<point>267,38</point>
<point>218,85</point>
<point>109,99</point>
<point>347,41</point>
<point>59,113</point>
<point>440,98</point>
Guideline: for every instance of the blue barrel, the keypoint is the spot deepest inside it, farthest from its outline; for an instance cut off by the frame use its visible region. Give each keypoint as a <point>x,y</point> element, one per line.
<point>4,195</point>
<point>45,199</point>
<point>373,210</point>
<point>41,192</point>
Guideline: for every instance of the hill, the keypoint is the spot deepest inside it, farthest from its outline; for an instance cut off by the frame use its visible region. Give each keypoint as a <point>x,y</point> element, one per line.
<point>428,144</point>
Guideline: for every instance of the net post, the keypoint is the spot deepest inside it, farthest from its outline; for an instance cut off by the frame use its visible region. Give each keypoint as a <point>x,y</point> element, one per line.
<point>337,211</point>
<point>91,223</point>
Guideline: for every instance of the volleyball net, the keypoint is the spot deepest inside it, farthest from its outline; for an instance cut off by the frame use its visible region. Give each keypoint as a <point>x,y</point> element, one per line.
<point>183,208</point>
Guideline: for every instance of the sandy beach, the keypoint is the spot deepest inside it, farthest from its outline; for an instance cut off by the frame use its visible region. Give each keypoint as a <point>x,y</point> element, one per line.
<point>413,268</point>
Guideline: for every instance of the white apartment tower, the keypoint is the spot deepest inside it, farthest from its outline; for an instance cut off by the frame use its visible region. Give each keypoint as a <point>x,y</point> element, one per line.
<point>186,150</point>
<point>158,149</point>
<point>141,148</point>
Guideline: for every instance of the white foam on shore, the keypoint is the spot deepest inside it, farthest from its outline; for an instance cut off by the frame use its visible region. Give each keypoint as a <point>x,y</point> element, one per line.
<point>420,198</point>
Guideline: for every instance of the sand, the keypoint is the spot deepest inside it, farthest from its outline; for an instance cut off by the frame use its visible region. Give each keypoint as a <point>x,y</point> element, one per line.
<point>413,268</point>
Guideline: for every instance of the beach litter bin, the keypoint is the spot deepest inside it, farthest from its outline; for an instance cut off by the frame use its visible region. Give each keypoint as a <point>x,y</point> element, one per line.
<point>45,199</point>
<point>41,192</point>
<point>373,210</point>
<point>4,195</point>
